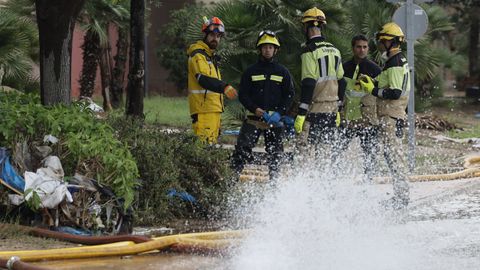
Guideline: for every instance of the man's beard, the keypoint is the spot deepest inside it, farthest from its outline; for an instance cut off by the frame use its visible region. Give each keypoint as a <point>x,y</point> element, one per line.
<point>212,44</point>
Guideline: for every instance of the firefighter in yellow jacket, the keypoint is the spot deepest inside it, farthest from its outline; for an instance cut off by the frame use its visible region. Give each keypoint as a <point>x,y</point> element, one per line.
<point>391,88</point>
<point>321,72</point>
<point>205,85</point>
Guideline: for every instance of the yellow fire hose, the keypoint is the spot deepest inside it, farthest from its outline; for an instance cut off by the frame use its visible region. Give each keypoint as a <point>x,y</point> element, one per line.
<point>471,164</point>
<point>209,241</point>
<point>472,169</point>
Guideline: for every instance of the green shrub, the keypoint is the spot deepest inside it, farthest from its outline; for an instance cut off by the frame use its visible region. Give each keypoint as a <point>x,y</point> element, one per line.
<point>85,144</point>
<point>179,161</point>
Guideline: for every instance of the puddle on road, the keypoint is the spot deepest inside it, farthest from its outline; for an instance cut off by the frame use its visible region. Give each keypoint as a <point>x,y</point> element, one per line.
<point>460,206</point>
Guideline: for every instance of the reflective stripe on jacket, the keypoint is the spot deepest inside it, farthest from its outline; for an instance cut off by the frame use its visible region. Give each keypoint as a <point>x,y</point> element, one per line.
<point>395,75</point>
<point>322,62</point>
<point>266,85</point>
<point>202,61</point>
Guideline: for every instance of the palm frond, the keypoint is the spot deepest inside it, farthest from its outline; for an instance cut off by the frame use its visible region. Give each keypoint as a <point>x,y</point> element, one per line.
<point>97,15</point>
<point>233,116</point>
<point>15,44</point>
<point>437,25</point>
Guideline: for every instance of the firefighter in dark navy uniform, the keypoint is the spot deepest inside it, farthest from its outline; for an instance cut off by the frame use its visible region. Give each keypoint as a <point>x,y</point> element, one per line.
<point>266,91</point>
<point>359,113</point>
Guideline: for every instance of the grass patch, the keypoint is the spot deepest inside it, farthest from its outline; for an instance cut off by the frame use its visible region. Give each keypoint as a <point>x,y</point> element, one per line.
<point>468,132</point>
<point>11,229</point>
<point>167,111</point>
<point>174,112</point>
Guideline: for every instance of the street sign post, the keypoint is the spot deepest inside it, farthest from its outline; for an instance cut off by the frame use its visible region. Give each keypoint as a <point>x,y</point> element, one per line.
<point>414,22</point>
<point>419,21</point>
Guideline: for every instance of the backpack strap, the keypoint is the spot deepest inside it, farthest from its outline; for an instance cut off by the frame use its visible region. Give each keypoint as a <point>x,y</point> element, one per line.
<point>202,52</point>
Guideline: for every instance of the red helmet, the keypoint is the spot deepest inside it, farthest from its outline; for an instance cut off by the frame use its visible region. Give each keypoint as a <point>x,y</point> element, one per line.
<point>213,24</point>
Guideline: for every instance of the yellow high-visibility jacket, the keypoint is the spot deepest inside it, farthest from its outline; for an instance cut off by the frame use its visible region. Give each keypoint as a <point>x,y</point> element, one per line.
<point>203,70</point>
<point>394,77</point>
<point>321,70</point>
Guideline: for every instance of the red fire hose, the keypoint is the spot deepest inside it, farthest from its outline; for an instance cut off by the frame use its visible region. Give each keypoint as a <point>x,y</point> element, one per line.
<point>86,240</point>
<point>14,263</point>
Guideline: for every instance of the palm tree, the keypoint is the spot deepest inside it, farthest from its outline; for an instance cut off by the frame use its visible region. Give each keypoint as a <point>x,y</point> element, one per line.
<point>18,43</point>
<point>91,51</point>
<point>118,72</point>
<point>95,19</point>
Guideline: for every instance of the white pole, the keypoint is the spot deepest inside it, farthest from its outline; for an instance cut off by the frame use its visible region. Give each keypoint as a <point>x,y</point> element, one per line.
<point>411,99</point>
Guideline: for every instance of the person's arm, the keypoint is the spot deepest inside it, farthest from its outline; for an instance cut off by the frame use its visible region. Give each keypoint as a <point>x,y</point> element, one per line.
<point>202,71</point>
<point>396,80</point>
<point>309,74</point>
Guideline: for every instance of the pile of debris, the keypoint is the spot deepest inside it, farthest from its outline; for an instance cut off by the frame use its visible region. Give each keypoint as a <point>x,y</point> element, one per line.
<point>75,204</point>
<point>433,122</point>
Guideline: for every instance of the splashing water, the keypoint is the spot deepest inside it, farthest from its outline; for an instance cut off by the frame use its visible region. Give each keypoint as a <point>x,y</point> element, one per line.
<point>316,221</point>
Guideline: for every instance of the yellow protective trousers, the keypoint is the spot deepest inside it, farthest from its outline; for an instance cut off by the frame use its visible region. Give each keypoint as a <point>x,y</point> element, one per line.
<point>207,126</point>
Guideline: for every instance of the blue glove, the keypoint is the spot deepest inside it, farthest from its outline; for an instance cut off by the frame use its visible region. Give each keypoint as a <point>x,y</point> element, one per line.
<point>289,126</point>
<point>266,116</point>
<point>288,121</point>
<point>274,119</point>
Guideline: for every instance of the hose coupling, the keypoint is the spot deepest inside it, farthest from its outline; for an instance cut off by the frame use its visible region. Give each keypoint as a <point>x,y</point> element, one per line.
<point>12,261</point>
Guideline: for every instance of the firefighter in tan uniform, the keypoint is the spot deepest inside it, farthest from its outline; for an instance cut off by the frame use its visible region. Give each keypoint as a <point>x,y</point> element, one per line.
<point>321,71</point>
<point>205,85</point>
<point>391,88</point>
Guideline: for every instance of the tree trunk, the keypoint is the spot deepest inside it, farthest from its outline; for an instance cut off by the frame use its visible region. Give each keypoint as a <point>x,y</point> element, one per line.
<point>105,67</point>
<point>56,21</point>
<point>136,74</point>
<point>119,69</point>
<point>473,42</point>
<point>91,53</point>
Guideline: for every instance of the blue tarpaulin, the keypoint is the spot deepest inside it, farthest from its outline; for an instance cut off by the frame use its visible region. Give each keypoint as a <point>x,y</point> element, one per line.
<point>8,173</point>
<point>182,195</point>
